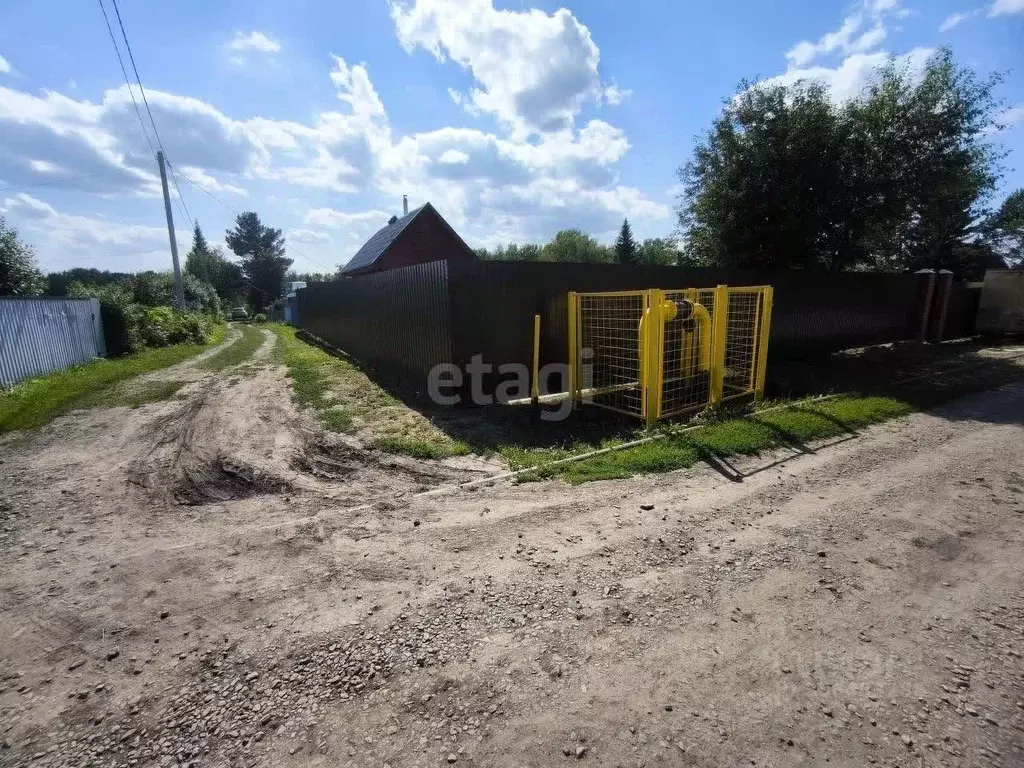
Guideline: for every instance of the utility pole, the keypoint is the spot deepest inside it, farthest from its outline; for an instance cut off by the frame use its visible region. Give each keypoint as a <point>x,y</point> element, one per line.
<point>179,289</point>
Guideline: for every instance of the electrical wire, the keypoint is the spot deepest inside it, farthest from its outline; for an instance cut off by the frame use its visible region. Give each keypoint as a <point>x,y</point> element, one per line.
<point>135,69</point>
<point>46,183</point>
<point>234,210</point>
<point>181,199</point>
<point>210,194</point>
<point>127,81</point>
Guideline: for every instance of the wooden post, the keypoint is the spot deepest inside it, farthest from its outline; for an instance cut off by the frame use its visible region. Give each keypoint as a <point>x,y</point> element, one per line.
<point>944,287</point>
<point>535,392</point>
<point>925,292</point>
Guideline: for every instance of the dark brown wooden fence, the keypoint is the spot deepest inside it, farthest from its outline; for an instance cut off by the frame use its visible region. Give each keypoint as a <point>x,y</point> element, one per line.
<point>404,321</point>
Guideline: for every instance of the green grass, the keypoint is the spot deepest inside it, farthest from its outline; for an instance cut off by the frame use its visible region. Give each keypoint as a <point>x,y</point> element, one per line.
<point>135,396</point>
<point>311,370</point>
<point>236,353</point>
<point>421,449</point>
<point>34,403</point>
<point>346,400</point>
<point>730,437</point>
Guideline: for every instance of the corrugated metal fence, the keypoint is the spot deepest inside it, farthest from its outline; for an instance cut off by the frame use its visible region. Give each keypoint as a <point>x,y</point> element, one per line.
<point>40,335</point>
<point>402,322</point>
<point>396,322</point>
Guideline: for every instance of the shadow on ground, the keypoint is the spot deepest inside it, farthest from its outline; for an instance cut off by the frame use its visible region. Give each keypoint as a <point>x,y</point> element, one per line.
<point>923,375</point>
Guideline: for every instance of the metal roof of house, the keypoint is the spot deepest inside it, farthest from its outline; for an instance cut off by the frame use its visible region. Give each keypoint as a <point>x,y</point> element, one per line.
<point>374,248</point>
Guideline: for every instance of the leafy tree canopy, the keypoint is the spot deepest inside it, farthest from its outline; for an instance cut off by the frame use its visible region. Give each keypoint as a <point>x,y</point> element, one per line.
<point>1004,230</point>
<point>894,179</point>
<point>19,274</point>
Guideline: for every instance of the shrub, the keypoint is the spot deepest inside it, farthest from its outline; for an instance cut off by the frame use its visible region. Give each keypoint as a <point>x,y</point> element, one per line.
<point>260,318</point>
<point>163,326</point>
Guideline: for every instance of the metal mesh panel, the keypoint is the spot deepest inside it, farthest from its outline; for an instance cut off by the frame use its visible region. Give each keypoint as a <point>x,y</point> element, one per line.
<point>686,378</point>
<point>610,349</point>
<point>741,340</point>
<point>658,354</point>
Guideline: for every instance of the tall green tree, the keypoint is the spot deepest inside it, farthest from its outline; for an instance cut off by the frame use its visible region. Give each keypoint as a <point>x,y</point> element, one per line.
<point>58,282</point>
<point>657,252</point>
<point>199,260</point>
<point>573,245</point>
<point>261,250</point>
<point>625,246</point>
<point>894,179</point>
<point>1004,230</point>
<point>19,274</point>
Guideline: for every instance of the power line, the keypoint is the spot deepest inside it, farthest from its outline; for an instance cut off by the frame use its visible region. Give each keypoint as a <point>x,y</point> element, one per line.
<point>135,69</point>
<point>234,210</point>
<point>46,183</point>
<point>181,198</point>
<point>207,192</point>
<point>126,80</point>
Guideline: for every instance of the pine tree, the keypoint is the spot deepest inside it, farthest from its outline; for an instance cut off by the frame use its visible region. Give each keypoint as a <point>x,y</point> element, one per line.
<point>261,249</point>
<point>625,246</point>
<point>199,261</point>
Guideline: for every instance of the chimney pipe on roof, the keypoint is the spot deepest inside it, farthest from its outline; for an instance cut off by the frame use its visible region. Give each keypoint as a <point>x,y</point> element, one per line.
<point>405,205</point>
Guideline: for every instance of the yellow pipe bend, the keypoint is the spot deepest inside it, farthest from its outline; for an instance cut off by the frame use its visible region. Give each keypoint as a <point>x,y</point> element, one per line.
<point>703,318</point>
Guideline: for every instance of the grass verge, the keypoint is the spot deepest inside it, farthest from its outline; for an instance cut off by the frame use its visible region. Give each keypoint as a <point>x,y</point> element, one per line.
<point>793,426</point>
<point>346,400</point>
<point>237,353</point>
<point>37,401</point>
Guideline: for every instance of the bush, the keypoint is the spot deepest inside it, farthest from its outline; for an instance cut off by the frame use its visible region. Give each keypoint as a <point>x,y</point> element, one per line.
<point>260,318</point>
<point>163,326</point>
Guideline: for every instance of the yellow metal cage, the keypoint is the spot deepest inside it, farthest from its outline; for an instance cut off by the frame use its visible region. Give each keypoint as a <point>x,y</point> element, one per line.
<point>662,353</point>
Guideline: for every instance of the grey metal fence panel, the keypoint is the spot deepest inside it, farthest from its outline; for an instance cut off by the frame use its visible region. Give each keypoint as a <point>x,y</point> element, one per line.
<point>42,335</point>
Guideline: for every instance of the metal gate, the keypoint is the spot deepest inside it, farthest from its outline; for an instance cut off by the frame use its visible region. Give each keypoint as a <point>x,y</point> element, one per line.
<point>662,353</point>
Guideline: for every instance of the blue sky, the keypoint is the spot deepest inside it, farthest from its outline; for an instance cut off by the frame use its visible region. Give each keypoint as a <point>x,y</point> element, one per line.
<point>515,119</point>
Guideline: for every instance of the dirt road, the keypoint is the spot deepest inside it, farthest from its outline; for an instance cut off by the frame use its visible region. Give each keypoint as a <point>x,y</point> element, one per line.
<point>851,604</point>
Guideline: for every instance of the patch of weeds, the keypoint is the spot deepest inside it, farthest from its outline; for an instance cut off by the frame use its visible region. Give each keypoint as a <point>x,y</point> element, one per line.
<point>420,449</point>
<point>37,401</point>
<point>236,353</point>
<point>336,419</point>
<point>139,395</point>
<point>344,398</point>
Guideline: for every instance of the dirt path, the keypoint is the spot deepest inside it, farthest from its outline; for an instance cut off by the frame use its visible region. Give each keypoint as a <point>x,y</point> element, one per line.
<point>858,603</point>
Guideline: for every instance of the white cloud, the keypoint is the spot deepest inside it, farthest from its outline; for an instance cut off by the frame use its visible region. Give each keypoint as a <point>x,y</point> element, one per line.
<point>208,182</point>
<point>1006,7</point>
<point>861,31</point>
<point>1010,117</point>
<point>332,219</point>
<point>308,236</point>
<point>956,19</point>
<point>254,41</point>
<point>852,74</point>
<point>124,247</point>
<point>520,185</point>
<point>453,157</point>
<point>5,66</point>
<point>534,70</point>
<point>104,141</point>
<point>614,95</point>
